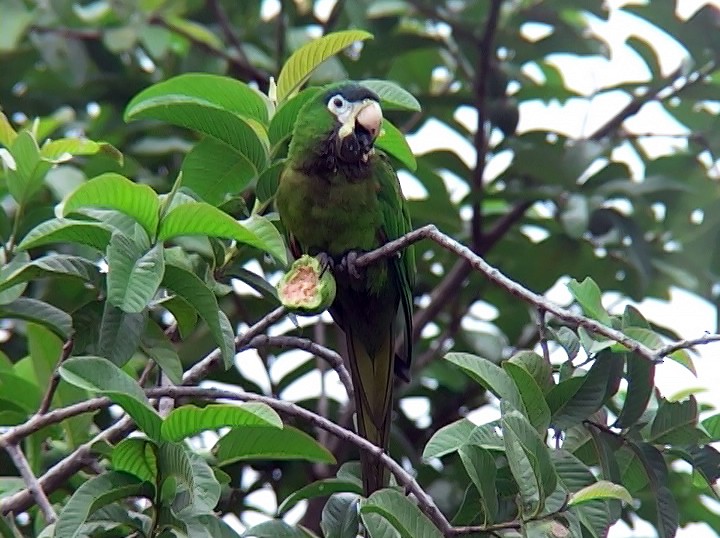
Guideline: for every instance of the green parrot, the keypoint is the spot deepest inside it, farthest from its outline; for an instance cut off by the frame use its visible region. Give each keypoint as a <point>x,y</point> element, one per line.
<point>339,196</point>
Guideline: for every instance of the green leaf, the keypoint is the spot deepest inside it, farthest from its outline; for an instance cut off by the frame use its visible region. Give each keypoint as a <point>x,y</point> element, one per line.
<point>320,488</point>
<point>208,90</point>
<point>401,513</point>
<point>393,142</point>
<point>137,457</point>
<point>103,377</point>
<point>213,170</point>
<point>57,151</point>
<point>94,494</point>
<point>602,489</point>
<point>667,511</point>
<point>114,191</point>
<point>340,518</point>
<point>184,313</point>
<point>19,391</point>
<point>7,133</point>
<point>268,181</point>
<point>133,275</point>
<point>26,178</point>
<point>276,528</point>
<point>480,467</point>
<point>528,458</point>
<point>575,399</point>
<point>199,218</point>
<point>675,422</point>
<point>531,394</point>
<point>61,230</point>
<point>283,121</point>
<point>221,107</point>
<point>448,439</point>
<point>640,379</point>
<point>303,61</point>
<point>49,266</point>
<point>41,313</point>
<point>490,376</point>
<point>13,291</point>
<point>193,290</point>
<point>588,295</point>
<point>392,96</point>
<point>259,442</point>
<point>176,474</point>
<point>120,334</point>
<point>190,420</point>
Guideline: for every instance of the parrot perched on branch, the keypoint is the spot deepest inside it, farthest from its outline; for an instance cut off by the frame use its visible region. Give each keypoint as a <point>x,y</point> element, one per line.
<point>337,197</point>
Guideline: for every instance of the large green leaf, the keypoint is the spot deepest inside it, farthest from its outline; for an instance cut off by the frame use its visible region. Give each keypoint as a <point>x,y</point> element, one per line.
<point>114,191</point>
<point>99,375</point>
<point>189,420</point>
<point>531,394</point>
<point>193,290</point>
<point>133,275</point>
<point>42,313</point>
<point>94,494</point>
<point>448,439</point>
<point>199,218</point>
<point>401,513</point>
<point>600,490</point>
<point>392,96</point>
<point>63,149</point>
<point>209,90</point>
<point>528,458</point>
<point>137,457</point>
<point>480,467</point>
<point>120,333</point>
<point>61,230</point>
<point>302,62</point>
<point>261,442</point>
<point>393,142</point>
<point>213,114</point>
<point>49,266</point>
<point>320,488</point>
<point>588,294</point>
<point>25,178</point>
<point>283,121</point>
<point>490,376</point>
<point>213,170</point>
<point>277,528</point>
<point>340,517</point>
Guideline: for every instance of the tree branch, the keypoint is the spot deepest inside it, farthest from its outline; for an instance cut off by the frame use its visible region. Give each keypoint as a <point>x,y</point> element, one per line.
<point>54,379</point>
<point>480,84</point>
<point>509,285</point>
<point>33,486</point>
<point>425,502</point>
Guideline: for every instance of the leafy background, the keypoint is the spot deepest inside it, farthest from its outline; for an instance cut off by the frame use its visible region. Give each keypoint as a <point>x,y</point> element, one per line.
<point>124,150</point>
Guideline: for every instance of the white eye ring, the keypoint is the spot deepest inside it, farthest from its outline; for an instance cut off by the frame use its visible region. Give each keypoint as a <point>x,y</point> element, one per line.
<point>338,105</point>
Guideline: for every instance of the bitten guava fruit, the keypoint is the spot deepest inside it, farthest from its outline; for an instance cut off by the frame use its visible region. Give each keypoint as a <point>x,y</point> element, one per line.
<point>306,289</point>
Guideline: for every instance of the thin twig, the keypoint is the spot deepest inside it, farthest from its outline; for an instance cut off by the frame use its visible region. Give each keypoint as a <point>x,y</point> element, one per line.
<point>687,344</point>
<point>54,379</point>
<point>542,334</point>
<point>36,490</point>
<point>321,352</point>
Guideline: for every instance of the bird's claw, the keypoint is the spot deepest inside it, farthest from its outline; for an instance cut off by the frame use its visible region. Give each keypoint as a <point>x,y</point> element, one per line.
<point>348,265</point>
<point>326,262</point>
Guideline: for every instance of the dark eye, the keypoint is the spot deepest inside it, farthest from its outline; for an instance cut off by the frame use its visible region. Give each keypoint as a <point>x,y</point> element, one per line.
<point>338,102</point>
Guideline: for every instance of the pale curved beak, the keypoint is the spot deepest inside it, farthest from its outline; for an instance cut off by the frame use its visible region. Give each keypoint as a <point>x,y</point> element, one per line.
<point>370,118</point>
<point>368,115</point>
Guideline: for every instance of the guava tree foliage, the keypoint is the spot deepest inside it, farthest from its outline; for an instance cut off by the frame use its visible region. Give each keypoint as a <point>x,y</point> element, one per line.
<point>142,144</point>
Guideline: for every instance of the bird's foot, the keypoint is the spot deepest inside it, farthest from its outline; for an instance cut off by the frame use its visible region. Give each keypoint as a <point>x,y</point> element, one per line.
<point>348,265</point>
<point>326,262</point>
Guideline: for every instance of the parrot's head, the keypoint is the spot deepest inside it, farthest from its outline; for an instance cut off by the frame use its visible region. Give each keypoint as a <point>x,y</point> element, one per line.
<point>337,128</point>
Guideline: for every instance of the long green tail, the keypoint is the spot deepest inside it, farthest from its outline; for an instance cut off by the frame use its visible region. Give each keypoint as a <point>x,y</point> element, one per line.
<point>372,373</point>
